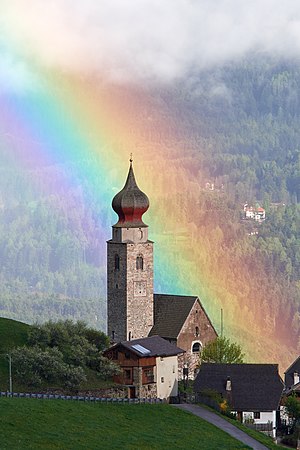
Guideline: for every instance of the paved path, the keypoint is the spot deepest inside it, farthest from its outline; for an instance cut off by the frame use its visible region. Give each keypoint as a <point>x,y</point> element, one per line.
<point>223,424</point>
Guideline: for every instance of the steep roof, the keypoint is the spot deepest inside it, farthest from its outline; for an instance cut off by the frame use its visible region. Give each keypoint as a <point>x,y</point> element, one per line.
<point>289,373</point>
<point>254,387</point>
<point>170,313</point>
<point>293,388</point>
<point>151,346</point>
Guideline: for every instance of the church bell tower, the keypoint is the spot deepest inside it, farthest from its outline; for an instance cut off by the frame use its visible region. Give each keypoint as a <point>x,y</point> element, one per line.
<point>129,266</point>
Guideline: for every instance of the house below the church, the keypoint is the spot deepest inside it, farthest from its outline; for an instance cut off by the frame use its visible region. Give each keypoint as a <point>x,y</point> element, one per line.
<point>292,379</point>
<point>252,391</point>
<point>149,367</point>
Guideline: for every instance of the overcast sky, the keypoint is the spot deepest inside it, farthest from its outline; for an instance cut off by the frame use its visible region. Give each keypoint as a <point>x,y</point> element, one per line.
<point>141,40</point>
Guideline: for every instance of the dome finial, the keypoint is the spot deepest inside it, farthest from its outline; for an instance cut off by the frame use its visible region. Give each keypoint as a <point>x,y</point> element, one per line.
<point>130,203</point>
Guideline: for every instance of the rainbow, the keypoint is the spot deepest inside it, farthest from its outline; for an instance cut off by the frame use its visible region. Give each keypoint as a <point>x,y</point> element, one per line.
<point>67,118</point>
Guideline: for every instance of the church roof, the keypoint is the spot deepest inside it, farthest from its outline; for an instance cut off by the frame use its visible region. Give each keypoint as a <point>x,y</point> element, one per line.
<point>151,346</point>
<point>170,313</point>
<point>130,203</point>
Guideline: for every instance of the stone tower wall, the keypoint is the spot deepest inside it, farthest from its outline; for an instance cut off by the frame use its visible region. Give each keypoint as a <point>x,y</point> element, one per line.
<point>116,292</point>
<point>129,291</point>
<point>139,297</point>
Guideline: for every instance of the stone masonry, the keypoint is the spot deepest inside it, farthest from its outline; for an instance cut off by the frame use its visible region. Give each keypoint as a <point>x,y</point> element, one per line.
<point>129,290</point>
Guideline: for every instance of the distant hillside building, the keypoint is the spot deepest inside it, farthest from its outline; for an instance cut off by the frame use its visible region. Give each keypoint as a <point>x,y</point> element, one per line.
<point>256,213</point>
<point>133,311</point>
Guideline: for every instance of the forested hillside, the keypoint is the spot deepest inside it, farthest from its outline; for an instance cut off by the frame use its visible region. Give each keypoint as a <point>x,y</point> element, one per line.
<point>238,127</point>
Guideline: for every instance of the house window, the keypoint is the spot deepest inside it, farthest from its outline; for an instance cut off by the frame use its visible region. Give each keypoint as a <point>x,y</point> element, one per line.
<point>127,374</point>
<point>117,262</point>
<point>256,415</point>
<point>197,331</point>
<point>127,355</point>
<point>149,375</point>
<point>196,347</point>
<point>139,263</point>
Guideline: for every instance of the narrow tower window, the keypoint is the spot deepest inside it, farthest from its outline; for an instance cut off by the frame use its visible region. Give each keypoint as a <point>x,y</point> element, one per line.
<point>139,263</point>
<point>117,262</point>
<point>197,331</point>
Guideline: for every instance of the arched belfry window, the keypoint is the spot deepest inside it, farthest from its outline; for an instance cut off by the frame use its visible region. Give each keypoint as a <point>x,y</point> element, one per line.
<point>196,347</point>
<point>117,262</point>
<point>139,263</point>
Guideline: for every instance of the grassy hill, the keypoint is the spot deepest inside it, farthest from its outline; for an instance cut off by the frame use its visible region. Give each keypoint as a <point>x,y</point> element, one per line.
<point>12,334</point>
<point>50,424</point>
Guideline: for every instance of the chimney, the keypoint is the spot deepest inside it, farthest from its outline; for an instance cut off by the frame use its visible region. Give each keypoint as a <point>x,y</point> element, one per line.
<point>228,384</point>
<point>296,378</point>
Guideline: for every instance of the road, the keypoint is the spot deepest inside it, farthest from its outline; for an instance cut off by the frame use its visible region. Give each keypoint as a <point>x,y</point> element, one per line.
<point>223,424</point>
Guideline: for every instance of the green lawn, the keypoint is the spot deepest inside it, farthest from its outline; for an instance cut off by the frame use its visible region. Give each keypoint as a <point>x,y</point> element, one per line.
<point>56,424</point>
<point>12,334</point>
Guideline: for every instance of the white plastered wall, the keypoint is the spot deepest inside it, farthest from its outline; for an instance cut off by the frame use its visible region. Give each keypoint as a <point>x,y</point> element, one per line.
<point>167,376</point>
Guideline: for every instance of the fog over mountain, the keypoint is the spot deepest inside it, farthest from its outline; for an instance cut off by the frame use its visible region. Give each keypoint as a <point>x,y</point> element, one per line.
<point>141,40</point>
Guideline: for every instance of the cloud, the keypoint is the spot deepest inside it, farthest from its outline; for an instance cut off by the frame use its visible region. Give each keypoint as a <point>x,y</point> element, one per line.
<point>16,76</point>
<point>147,40</point>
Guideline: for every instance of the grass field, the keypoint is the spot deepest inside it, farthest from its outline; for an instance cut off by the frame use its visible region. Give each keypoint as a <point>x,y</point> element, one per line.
<point>55,424</point>
<point>12,334</point>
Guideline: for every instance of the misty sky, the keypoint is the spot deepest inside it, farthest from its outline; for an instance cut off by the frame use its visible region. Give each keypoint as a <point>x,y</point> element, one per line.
<point>140,40</point>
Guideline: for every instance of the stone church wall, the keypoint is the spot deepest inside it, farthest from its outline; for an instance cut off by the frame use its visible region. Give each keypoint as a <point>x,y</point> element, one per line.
<point>196,329</point>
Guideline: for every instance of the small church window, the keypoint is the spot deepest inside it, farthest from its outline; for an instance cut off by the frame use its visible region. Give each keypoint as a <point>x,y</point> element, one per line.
<point>129,336</point>
<point>117,262</point>
<point>139,263</point>
<point>196,347</point>
<point>197,331</point>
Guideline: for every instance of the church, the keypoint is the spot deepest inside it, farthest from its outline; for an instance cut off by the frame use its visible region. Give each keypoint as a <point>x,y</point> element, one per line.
<point>133,310</point>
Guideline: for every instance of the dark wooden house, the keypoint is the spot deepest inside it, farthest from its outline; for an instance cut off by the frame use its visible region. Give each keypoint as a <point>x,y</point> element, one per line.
<point>149,366</point>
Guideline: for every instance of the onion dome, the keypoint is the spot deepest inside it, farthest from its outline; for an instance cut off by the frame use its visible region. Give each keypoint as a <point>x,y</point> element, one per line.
<point>130,203</point>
